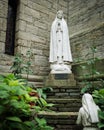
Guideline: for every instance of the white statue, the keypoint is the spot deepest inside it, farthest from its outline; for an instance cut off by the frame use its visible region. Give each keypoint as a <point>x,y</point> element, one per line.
<point>88,113</point>
<point>60,52</point>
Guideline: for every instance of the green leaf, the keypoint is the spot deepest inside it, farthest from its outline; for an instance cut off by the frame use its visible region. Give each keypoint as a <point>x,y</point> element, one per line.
<point>101,125</point>
<point>101,91</point>
<point>17,90</point>
<point>15,83</point>
<point>44,103</point>
<point>4,94</point>
<point>10,76</point>
<point>85,89</point>
<point>50,104</point>
<point>1,78</point>
<point>41,93</point>
<point>40,122</point>
<point>101,114</point>
<point>28,123</point>
<point>37,108</point>
<point>16,119</point>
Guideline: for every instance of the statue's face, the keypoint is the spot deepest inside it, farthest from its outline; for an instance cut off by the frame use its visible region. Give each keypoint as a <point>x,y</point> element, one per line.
<point>60,14</point>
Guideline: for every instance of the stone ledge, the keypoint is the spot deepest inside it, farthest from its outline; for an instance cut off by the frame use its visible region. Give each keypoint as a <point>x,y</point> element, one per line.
<point>33,77</point>
<point>90,78</point>
<point>36,84</point>
<point>58,114</point>
<point>56,100</point>
<point>65,105</point>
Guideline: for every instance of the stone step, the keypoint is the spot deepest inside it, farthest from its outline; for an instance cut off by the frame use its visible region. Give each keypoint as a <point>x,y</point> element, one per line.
<point>65,105</point>
<point>65,92</point>
<point>5,69</point>
<point>36,84</point>
<point>61,120</point>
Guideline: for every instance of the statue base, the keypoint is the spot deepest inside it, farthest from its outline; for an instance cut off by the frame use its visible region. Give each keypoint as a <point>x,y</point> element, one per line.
<point>60,80</point>
<point>61,72</point>
<point>60,68</point>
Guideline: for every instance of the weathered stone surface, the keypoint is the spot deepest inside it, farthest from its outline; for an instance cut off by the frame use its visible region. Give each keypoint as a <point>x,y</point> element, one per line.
<point>61,120</point>
<point>69,92</point>
<point>2,46</point>
<point>51,81</point>
<point>86,41</point>
<point>86,14</point>
<point>3,8</point>
<point>84,69</point>
<point>3,22</point>
<point>65,105</point>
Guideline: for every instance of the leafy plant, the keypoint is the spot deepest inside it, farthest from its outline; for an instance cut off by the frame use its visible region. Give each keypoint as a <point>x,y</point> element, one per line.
<point>99,99</point>
<point>17,65</point>
<point>42,124</point>
<point>27,66</point>
<point>89,77</point>
<point>18,102</point>
<point>22,66</point>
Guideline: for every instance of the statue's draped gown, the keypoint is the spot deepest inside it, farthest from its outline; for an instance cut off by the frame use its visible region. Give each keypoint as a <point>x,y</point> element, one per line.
<point>59,42</point>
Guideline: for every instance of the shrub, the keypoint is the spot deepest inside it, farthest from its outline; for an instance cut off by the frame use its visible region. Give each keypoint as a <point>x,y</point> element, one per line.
<point>18,102</point>
<point>99,99</point>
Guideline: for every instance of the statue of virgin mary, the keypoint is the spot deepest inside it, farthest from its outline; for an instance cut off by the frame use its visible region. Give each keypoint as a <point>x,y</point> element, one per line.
<point>60,52</point>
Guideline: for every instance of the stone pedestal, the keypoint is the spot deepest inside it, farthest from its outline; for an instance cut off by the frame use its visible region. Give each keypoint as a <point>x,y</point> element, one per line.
<point>60,80</point>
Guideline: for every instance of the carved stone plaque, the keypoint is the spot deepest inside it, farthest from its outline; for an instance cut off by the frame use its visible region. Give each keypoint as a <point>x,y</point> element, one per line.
<point>61,76</point>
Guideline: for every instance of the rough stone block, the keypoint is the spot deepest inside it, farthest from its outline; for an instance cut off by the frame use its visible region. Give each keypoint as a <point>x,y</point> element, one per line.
<point>51,81</point>
<point>2,47</point>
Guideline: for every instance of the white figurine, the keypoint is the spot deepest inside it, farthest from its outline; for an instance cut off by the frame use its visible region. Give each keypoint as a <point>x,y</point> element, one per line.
<point>88,113</point>
<point>60,52</point>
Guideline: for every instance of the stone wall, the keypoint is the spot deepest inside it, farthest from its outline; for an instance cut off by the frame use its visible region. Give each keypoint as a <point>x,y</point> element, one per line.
<point>5,60</point>
<point>33,30</point>
<point>33,24</point>
<point>86,25</point>
<point>3,22</point>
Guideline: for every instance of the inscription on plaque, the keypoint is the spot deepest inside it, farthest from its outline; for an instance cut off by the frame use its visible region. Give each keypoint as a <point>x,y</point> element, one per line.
<point>61,76</point>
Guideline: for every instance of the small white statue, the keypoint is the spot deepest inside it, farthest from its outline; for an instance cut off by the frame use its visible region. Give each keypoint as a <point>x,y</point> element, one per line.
<point>60,52</point>
<point>88,113</point>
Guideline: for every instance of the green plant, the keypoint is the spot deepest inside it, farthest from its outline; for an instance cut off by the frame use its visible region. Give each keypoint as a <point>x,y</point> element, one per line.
<point>90,77</point>
<point>17,65</point>
<point>99,99</point>
<point>22,66</point>
<point>42,124</point>
<point>27,64</point>
<point>18,102</point>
